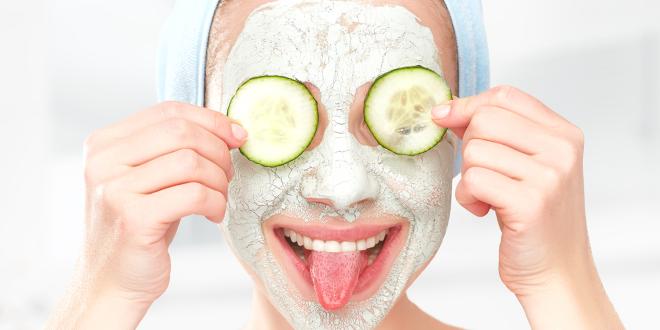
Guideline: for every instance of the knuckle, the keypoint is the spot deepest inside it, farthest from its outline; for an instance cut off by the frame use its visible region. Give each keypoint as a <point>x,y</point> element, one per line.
<point>552,177</point>
<point>222,209</point>
<point>470,178</point>
<point>219,209</point>
<point>90,173</point>
<point>480,121</point>
<point>90,142</point>
<point>188,159</point>
<point>570,150</point>
<point>179,127</point>
<point>478,117</point>
<point>578,137</point>
<point>223,183</point>
<point>220,122</point>
<point>569,164</point>
<point>471,102</point>
<point>223,148</point>
<point>471,152</point>
<point>109,193</point>
<point>171,108</point>
<point>503,93</point>
<point>198,194</point>
<point>223,153</point>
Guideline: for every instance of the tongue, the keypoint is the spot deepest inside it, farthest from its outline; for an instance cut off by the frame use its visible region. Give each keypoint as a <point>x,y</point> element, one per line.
<point>335,276</point>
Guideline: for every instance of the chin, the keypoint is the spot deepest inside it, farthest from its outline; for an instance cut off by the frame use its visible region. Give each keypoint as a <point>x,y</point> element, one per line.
<point>396,250</point>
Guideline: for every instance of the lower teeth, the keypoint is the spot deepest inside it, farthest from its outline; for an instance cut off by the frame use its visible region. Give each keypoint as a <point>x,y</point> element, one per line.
<point>374,252</point>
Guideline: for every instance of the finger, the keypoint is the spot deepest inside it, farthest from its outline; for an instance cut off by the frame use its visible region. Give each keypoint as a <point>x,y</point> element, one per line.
<point>459,112</point>
<point>164,138</point>
<point>460,132</point>
<point>486,186</point>
<point>477,208</point>
<point>500,126</point>
<point>499,158</point>
<point>179,167</point>
<point>213,121</point>
<point>170,205</point>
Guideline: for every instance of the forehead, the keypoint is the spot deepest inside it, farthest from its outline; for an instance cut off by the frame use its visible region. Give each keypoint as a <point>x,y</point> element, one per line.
<point>267,25</point>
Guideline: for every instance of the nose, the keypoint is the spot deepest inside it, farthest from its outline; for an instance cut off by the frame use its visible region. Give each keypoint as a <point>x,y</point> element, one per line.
<point>342,179</point>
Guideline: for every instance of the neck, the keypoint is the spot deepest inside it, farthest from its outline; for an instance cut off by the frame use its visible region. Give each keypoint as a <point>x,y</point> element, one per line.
<point>402,315</point>
<point>263,315</point>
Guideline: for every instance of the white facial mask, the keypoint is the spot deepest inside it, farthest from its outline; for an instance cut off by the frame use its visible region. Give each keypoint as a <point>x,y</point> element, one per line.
<point>338,46</point>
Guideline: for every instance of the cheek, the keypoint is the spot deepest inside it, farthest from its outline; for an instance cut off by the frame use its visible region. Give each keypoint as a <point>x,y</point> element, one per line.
<point>424,182</point>
<point>251,191</point>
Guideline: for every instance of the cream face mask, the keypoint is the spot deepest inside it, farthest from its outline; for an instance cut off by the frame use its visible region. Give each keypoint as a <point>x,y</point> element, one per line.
<point>386,214</point>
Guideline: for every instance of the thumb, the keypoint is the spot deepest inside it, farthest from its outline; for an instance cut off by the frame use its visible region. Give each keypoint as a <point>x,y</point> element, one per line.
<point>449,115</point>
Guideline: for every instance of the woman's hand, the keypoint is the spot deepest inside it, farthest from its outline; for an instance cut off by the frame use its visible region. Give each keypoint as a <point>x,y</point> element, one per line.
<point>142,176</point>
<point>525,162</point>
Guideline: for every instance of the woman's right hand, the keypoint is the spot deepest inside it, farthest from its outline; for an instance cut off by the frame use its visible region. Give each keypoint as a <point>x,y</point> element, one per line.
<point>142,176</point>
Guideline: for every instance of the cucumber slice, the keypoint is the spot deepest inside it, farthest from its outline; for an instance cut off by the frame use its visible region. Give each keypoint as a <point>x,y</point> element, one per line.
<point>280,115</point>
<point>397,109</point>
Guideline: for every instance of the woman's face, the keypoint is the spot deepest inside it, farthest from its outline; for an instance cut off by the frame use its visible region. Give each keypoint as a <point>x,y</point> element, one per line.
<point>336,236</point>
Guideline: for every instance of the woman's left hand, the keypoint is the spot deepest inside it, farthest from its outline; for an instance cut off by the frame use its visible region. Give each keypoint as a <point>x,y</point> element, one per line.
<point>524,161</point>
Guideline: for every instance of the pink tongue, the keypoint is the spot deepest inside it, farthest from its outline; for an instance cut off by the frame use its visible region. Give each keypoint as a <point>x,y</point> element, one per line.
<point>335,276</point>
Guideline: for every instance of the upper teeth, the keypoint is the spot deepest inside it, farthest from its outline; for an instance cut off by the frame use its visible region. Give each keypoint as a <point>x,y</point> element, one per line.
<point>334,246</point>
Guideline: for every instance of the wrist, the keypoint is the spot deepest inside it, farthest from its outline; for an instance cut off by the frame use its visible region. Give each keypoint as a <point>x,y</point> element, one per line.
<point>570,300</point>
<point>113,310</point>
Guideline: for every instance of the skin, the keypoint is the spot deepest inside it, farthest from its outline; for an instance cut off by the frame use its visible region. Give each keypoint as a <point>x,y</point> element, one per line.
<point>228,24</point>
<point>148,171</point>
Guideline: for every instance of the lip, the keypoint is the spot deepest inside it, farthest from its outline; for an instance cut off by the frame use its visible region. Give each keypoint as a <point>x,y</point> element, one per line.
<point>336,229</point>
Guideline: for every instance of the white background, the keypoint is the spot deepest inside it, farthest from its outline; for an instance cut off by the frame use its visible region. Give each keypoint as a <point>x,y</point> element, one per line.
<point>68,67</point>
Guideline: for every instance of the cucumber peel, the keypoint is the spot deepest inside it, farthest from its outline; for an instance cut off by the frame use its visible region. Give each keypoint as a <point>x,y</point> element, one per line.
<point>280,116</point>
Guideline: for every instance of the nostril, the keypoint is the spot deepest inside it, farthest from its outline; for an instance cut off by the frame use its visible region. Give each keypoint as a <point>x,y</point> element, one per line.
<point>330,203</point>
<point>362,202</point>
<point>324,201</point>
<point>330,187</point>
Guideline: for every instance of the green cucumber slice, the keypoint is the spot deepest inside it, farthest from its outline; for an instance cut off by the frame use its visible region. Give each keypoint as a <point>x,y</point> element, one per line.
<point>280,115</point>
<point>397,109</point>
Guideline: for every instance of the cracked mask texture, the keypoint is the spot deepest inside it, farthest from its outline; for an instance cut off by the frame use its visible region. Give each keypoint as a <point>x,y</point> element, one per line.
<point>338,46</point>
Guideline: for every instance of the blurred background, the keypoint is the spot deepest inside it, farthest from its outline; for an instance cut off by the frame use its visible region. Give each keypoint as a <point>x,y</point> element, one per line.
<point>68,67</point>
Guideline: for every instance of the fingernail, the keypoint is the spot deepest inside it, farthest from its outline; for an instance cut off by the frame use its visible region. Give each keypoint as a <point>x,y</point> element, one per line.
<point>238,132</point>
<point>440,111</point>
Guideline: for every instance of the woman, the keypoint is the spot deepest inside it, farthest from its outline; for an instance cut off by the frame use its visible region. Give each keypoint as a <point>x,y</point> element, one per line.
<point>334,238</point>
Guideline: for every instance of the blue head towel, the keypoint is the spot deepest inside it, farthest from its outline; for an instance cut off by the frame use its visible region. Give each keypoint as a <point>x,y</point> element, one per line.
<point>182,52</point>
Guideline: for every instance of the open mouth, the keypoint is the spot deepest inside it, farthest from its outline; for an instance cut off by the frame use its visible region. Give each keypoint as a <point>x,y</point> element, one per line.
<point>340,264</point>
